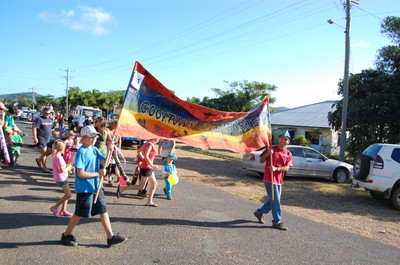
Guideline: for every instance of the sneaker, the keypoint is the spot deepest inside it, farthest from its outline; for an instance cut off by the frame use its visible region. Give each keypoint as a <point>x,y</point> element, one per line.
<point>169,198</point>
<point>68,240</point>
<point>55,212</point>
<point>65,213</point>
<point>259,217</point>
<point>115,239</point>
<point>280,226</point>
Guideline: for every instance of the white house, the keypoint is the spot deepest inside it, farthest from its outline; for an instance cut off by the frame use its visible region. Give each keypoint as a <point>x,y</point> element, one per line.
<point>310,121</point>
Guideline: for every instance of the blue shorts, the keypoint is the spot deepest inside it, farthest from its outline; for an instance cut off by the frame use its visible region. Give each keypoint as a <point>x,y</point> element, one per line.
<point>146,172</point>
<point>111,169</point>
<point>42,143</point>
<point>84,206</point>
<point>62,183</point>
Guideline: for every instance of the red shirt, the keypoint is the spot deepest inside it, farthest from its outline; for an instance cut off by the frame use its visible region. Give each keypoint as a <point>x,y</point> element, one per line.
<point>280,158</point>
<point>152,154</point>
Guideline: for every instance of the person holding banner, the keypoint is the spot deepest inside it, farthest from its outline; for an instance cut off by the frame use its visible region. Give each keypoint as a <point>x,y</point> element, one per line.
<point>147,153</point>
<point>87,180</point>
<point>281,161</point>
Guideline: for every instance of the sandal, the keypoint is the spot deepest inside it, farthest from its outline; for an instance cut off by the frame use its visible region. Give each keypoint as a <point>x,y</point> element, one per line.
<point>38,163</point>
<point>151,205</point>
<point>55,212</point>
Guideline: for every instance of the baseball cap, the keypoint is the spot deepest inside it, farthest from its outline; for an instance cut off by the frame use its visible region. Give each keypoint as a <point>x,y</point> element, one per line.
<point>88,131</point>
<point>286,134</point>
<point>2,106</point>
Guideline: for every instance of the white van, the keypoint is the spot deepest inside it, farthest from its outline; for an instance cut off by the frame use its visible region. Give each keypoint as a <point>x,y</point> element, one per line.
<point>81,111</point>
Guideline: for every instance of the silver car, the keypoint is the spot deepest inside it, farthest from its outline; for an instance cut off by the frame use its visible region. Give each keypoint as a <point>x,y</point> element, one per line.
<point>307,162</point>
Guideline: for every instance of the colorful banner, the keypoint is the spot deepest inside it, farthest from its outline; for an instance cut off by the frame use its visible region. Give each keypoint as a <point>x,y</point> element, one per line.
<point>150,110</point>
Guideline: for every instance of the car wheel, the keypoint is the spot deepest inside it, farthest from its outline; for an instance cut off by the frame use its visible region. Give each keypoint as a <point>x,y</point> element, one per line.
<point>376,195</point>
<point>361,167</point>
<point>340,175</point>
<point>395,198</point>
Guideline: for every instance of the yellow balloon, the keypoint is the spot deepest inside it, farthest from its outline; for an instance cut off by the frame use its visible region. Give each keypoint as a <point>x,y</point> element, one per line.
<point>173,179</point>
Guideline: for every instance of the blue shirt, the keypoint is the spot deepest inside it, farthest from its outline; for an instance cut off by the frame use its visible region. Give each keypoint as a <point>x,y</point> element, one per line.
<point>44,127</point>
<point>88,159</point>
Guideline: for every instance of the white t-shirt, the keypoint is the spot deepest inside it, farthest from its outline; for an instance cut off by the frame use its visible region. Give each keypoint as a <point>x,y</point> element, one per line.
<point>166,147</point>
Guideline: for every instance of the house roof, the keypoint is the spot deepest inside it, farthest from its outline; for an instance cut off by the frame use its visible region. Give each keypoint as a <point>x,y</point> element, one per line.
<point>313,115</point>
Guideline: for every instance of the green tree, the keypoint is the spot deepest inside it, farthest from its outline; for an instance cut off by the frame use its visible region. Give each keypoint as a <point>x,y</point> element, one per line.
<point>75,97</point>
<point>44,100</point>
<point>240,96</point>
<point>24,102</point>
<point>373,113</point>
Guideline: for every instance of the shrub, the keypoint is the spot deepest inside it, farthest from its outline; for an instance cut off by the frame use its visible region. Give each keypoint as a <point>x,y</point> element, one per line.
<point>301,140</point>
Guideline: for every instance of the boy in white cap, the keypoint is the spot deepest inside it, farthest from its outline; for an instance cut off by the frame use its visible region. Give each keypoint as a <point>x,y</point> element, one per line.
<point>87,173</point>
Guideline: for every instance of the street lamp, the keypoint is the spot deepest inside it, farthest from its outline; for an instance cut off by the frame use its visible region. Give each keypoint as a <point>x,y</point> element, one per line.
<point>345,80</point>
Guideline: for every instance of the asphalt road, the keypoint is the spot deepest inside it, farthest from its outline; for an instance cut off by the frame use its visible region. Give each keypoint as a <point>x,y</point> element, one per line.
<point>201,225</point>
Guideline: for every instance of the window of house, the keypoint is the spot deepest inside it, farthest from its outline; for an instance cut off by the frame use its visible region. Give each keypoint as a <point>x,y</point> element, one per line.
<point>312,137</point>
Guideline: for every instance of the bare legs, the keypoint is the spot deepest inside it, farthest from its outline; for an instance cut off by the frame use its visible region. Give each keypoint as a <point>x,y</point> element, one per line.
<point>64,199</point>
<point>153,185</point>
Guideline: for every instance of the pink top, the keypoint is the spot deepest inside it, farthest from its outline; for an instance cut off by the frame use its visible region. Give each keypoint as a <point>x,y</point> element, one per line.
<point>67,152</point>
<point>58,175</point>
<point>152,154</point>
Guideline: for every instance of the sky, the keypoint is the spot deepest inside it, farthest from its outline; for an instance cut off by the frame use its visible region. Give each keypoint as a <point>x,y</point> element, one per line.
<point>189,46</point>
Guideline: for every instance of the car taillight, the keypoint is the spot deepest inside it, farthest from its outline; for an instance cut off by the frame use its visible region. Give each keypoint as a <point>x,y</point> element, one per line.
<point>252,158</point>
<point>378,162</point>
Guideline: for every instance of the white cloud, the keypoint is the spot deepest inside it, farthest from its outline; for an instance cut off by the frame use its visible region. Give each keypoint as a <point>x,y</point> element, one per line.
<point>359,44</point>
<point>84,19</point>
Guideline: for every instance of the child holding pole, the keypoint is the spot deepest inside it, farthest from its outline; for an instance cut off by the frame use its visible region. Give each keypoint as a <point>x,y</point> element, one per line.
<point>87,182</point>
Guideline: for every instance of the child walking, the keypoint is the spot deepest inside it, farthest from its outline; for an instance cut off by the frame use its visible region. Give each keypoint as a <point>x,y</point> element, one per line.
<point>69,142</point>
<point>112,169</point>
<point>169,168</point>
<point>60,177</point>
<point>16,140</point>
<point>87,173</point>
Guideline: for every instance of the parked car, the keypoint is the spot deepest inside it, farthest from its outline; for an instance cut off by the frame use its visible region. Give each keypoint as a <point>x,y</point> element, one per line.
<point>377,170</point>
<point>129,141</point>
<point>307,162</point>
<point>24,114</point>
<point>34,115</point>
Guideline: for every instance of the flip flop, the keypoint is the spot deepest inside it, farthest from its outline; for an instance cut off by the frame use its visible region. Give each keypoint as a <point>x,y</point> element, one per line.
<point>38,163</point>
<point>151,205</point>
<point>118,191</point>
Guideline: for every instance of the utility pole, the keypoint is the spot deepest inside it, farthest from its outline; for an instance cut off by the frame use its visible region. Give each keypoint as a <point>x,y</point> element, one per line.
<point>343,136</point>
<point>33,98</point>
<point>66,91</point>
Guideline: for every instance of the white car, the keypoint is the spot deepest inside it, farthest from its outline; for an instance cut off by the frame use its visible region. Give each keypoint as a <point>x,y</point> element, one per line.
<point>307,162</point>
<point>377,170</point>
<point>24,115</point>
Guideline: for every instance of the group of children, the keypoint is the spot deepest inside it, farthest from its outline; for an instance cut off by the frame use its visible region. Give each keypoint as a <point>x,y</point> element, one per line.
<point>85,161</point>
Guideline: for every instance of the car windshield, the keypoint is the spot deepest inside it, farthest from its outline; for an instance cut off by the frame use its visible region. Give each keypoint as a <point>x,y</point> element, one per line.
<point>91,113</point>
